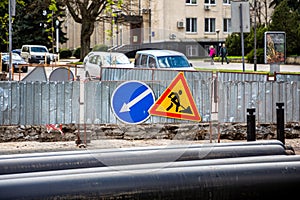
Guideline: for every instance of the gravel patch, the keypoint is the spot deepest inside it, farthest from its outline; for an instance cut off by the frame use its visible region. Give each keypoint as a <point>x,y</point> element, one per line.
<point>33,146</point>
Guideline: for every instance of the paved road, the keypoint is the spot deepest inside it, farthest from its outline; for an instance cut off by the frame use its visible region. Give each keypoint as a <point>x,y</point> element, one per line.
<point>200,64</point>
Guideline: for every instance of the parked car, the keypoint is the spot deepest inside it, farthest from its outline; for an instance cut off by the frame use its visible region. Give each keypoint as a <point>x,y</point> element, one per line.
<point>16,61</point>
<point>165,59</point>
<point>18,51</point>
<point>97,59</point>
<point>36,54</point>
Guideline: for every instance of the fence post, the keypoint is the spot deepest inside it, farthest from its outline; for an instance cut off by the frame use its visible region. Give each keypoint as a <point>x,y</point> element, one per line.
<point>251,136</point>
<point>280,122</point>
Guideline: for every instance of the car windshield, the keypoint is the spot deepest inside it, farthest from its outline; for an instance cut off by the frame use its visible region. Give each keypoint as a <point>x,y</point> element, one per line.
<point>15,56</point>
<point>116,59</point>
<point>38,49</point>
<point>172,62</point>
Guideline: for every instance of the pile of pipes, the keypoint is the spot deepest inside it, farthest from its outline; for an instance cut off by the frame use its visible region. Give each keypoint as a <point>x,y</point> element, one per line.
<point>237,170</point>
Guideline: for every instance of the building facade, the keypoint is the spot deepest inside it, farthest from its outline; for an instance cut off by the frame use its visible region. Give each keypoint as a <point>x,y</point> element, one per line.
<point>190,26</point>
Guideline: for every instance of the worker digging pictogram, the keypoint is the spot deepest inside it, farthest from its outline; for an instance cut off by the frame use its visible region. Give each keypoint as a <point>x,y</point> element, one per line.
<point>176,101</point>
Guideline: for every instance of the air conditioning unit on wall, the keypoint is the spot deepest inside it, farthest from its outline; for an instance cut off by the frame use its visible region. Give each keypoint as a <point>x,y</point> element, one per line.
<point>206,7</point>
<point>180,24</point>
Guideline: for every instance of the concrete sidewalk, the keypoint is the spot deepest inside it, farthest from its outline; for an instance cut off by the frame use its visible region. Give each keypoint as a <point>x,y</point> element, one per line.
<point>239,66</point>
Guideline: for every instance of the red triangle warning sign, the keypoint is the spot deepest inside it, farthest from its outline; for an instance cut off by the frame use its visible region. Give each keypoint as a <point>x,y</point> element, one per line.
<point>176,101</point>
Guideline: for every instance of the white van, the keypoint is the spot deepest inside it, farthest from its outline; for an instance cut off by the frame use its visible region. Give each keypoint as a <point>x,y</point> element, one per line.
<point>165,59</point>
<point>35,54</point>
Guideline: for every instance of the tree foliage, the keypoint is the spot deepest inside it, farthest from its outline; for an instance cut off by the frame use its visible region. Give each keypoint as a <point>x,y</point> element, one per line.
<point>29,25</point>
<point>290,25</point>
<point>284,9</point>
<point>86,13</point>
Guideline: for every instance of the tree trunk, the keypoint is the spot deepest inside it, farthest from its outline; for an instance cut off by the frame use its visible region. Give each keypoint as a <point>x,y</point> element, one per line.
<point>87,29</point>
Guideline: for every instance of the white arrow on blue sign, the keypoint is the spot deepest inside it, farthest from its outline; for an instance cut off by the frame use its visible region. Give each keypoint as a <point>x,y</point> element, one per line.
<point>131,101</point>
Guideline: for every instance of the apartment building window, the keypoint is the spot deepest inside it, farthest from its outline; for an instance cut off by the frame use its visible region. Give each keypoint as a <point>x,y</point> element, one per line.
<point>226,25</point>
<point>192,50</point>
<point>191,25</point>
<point>210,25</point>
<point>193,2</point>
<point>210,2</point>
<point>226,1</point>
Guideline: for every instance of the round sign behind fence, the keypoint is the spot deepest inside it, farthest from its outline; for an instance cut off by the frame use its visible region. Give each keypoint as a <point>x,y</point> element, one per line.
<point>61,74</point>
<point>131,101</point>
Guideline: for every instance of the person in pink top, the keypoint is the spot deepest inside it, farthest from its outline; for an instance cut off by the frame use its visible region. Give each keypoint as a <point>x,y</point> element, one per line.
<point>212,53</point>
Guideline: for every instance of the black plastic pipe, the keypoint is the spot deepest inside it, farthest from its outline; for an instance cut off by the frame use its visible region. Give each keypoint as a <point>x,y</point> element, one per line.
<point>133,149</point>
<point>158,166</point>
<point>279,180</point>
<point>34,164</point>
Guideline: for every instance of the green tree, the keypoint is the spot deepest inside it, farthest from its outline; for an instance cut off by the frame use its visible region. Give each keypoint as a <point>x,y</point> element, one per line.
<point>30,26</point>
<point>290,25</point>
<point>87,13</point>
<point>260,34</point>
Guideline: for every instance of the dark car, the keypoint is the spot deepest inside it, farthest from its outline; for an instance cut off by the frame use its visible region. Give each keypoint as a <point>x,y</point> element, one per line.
<point>16,61</point>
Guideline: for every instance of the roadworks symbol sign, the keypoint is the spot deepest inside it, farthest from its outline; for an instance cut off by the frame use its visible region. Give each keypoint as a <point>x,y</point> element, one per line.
<point>176,101</point>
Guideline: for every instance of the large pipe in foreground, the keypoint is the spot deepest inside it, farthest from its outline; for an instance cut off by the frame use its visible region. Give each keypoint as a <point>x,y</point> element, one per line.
<point>239,181</point>
<point>34,164</point>
<point>157,166</point>
<point>132,149</point>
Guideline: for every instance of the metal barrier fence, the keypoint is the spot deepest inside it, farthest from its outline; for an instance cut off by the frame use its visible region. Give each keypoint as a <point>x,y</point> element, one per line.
<point>97,94</point>
<point>287,77</point>
<point>239,76</point>
<point>35,103</point>
<point>236,96</point>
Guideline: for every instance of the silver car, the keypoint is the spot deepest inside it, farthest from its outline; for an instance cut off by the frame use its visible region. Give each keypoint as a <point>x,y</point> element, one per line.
<point>165,59</point>
<point>17,60</point>
<point>95,60</point>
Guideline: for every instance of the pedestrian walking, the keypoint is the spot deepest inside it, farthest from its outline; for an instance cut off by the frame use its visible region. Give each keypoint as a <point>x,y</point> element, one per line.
<point>224,53</point>
<point>212,53</point>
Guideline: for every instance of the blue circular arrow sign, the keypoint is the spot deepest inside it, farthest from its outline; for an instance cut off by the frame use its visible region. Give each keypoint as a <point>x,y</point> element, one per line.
<point>131,101</point>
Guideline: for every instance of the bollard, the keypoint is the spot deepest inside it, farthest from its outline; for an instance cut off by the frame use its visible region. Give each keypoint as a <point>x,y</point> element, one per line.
<point>280,122</point>
<point>251,136</point>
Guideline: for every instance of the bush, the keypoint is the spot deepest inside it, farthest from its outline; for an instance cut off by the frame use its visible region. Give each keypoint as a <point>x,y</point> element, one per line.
<point>76,53</point>
<point>65,53</point>
<point>100,47</point>
<point>259,56</point>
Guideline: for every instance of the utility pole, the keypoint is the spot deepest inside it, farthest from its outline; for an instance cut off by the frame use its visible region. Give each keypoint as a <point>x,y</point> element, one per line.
<point>255,42</point>
<point>11,12</point>
<point>150,31</point>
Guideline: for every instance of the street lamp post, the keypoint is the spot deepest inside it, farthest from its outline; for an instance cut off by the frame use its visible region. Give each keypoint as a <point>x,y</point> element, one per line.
<point>57,36</point>
<point>255,56</point>
<point>117,24</point>
<point>218,31</point>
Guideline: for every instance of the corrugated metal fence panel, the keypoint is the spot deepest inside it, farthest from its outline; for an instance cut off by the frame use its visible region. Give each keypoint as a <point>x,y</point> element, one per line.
<point>122,74</point>
<point>283,77</point>
<point>235,97</point>
<point>97,94</point>
<point>234,76</point>
<point>97,102</point>
<point>36,103</point>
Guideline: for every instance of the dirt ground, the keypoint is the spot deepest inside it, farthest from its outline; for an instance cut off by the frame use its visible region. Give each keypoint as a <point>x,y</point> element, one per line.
<point>33,146</point>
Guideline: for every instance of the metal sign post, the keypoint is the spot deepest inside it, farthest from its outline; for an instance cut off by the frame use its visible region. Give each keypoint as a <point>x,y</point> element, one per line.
<point>240,18</point>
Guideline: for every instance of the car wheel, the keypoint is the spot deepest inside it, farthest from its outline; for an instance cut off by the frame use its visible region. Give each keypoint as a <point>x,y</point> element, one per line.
<point>87,75</point>
<point>4,68</point>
